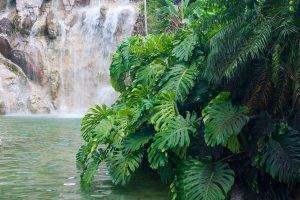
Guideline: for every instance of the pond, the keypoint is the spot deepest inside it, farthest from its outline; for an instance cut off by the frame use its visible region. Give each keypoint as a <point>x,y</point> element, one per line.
<point>37,161</point>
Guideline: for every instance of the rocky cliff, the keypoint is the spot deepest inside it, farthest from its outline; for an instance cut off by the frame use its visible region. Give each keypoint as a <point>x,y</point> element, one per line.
<point>55,54</point>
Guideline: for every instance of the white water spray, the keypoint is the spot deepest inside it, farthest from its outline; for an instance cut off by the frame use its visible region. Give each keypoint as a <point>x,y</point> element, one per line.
<point>86,51</point>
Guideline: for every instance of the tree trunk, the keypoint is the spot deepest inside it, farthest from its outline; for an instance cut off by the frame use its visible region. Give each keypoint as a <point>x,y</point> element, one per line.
<point>146,14</point>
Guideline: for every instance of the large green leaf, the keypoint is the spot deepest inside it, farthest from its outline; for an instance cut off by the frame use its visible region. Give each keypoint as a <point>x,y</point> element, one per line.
<point>150,74</point>
<point>176,134</point>
<point>157,158</point>
<point>141,96</point>
<point>205,180</point>
<point>165,109</point>
<point>223,122</point>
<point>184,50</point>
<point>91,166</point>
<point>122,61</point>
<point>135,142</point>
<point>92,119</point>
<point>281,158</point>
<point>181,80</point>
<point>122,165</point>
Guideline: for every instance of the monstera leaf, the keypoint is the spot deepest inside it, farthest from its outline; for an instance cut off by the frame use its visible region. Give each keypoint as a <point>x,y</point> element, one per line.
<point>180,79</point>
<point>165,109</point>
<point>205,180</point>
<point>223,122</point>
<point>122,165</point>
<point>176,134</point>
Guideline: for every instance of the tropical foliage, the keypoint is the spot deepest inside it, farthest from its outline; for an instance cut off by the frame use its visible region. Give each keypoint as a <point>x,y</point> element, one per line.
<point>211,105</point>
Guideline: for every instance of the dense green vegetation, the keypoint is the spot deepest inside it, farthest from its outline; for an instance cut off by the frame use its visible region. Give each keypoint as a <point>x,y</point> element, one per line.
<point>211,100</point>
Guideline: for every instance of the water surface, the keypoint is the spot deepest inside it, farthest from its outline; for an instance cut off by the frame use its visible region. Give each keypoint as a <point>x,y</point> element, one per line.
<point>37,161</point>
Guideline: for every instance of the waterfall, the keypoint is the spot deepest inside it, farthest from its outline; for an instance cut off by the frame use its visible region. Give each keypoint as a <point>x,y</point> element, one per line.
<point>7,4</point>
<point>86,51</point>
<point>77,56</point>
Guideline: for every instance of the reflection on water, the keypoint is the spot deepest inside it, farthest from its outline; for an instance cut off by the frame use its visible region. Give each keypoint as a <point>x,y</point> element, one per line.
<point>37,161</point>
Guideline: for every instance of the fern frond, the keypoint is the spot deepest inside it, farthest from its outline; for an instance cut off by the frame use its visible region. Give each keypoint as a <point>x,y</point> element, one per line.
<point>276,65</point>
<point>282,157</point>
<point>296,90</point>
<point>282,92</point>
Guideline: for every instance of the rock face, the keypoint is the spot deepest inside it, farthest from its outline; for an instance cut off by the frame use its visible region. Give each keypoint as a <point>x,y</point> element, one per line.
<point>22,5</point>
<point>2,5</point>
<point>27,63</point>
<point>17,94</point>
<point>25,24</point>
<point>139,27</point>
<point>54,86</point>
<point>82,2</point>
<point>6,27</point>
<point>39,28</point>
<point>14,87</point>
<point>5,46</point>
<point>37,104</point>
<point>52,26</point>
<point>2,108</point>
<point>60,52</point>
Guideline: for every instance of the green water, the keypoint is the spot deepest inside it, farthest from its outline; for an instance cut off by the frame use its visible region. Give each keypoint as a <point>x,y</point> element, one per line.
<point>37,161</point>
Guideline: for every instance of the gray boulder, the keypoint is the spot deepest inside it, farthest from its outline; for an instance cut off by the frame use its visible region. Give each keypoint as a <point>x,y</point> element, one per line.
<point>5,47</point>
<point>38,105</point>
<point>30,66</point>
<point>2,109</point>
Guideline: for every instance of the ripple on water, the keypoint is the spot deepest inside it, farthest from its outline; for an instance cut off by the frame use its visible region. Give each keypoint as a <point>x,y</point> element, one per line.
<point>37,162</point>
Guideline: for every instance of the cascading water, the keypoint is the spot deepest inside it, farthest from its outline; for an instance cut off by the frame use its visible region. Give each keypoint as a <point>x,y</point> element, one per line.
<point>7,4</point>
<point>89,45</point>
<point>72,67</point>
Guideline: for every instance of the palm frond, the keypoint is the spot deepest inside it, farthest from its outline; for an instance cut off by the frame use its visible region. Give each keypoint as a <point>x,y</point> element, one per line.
<point>282,157</point>
<point>260,89</point>
<point>252,48</point>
